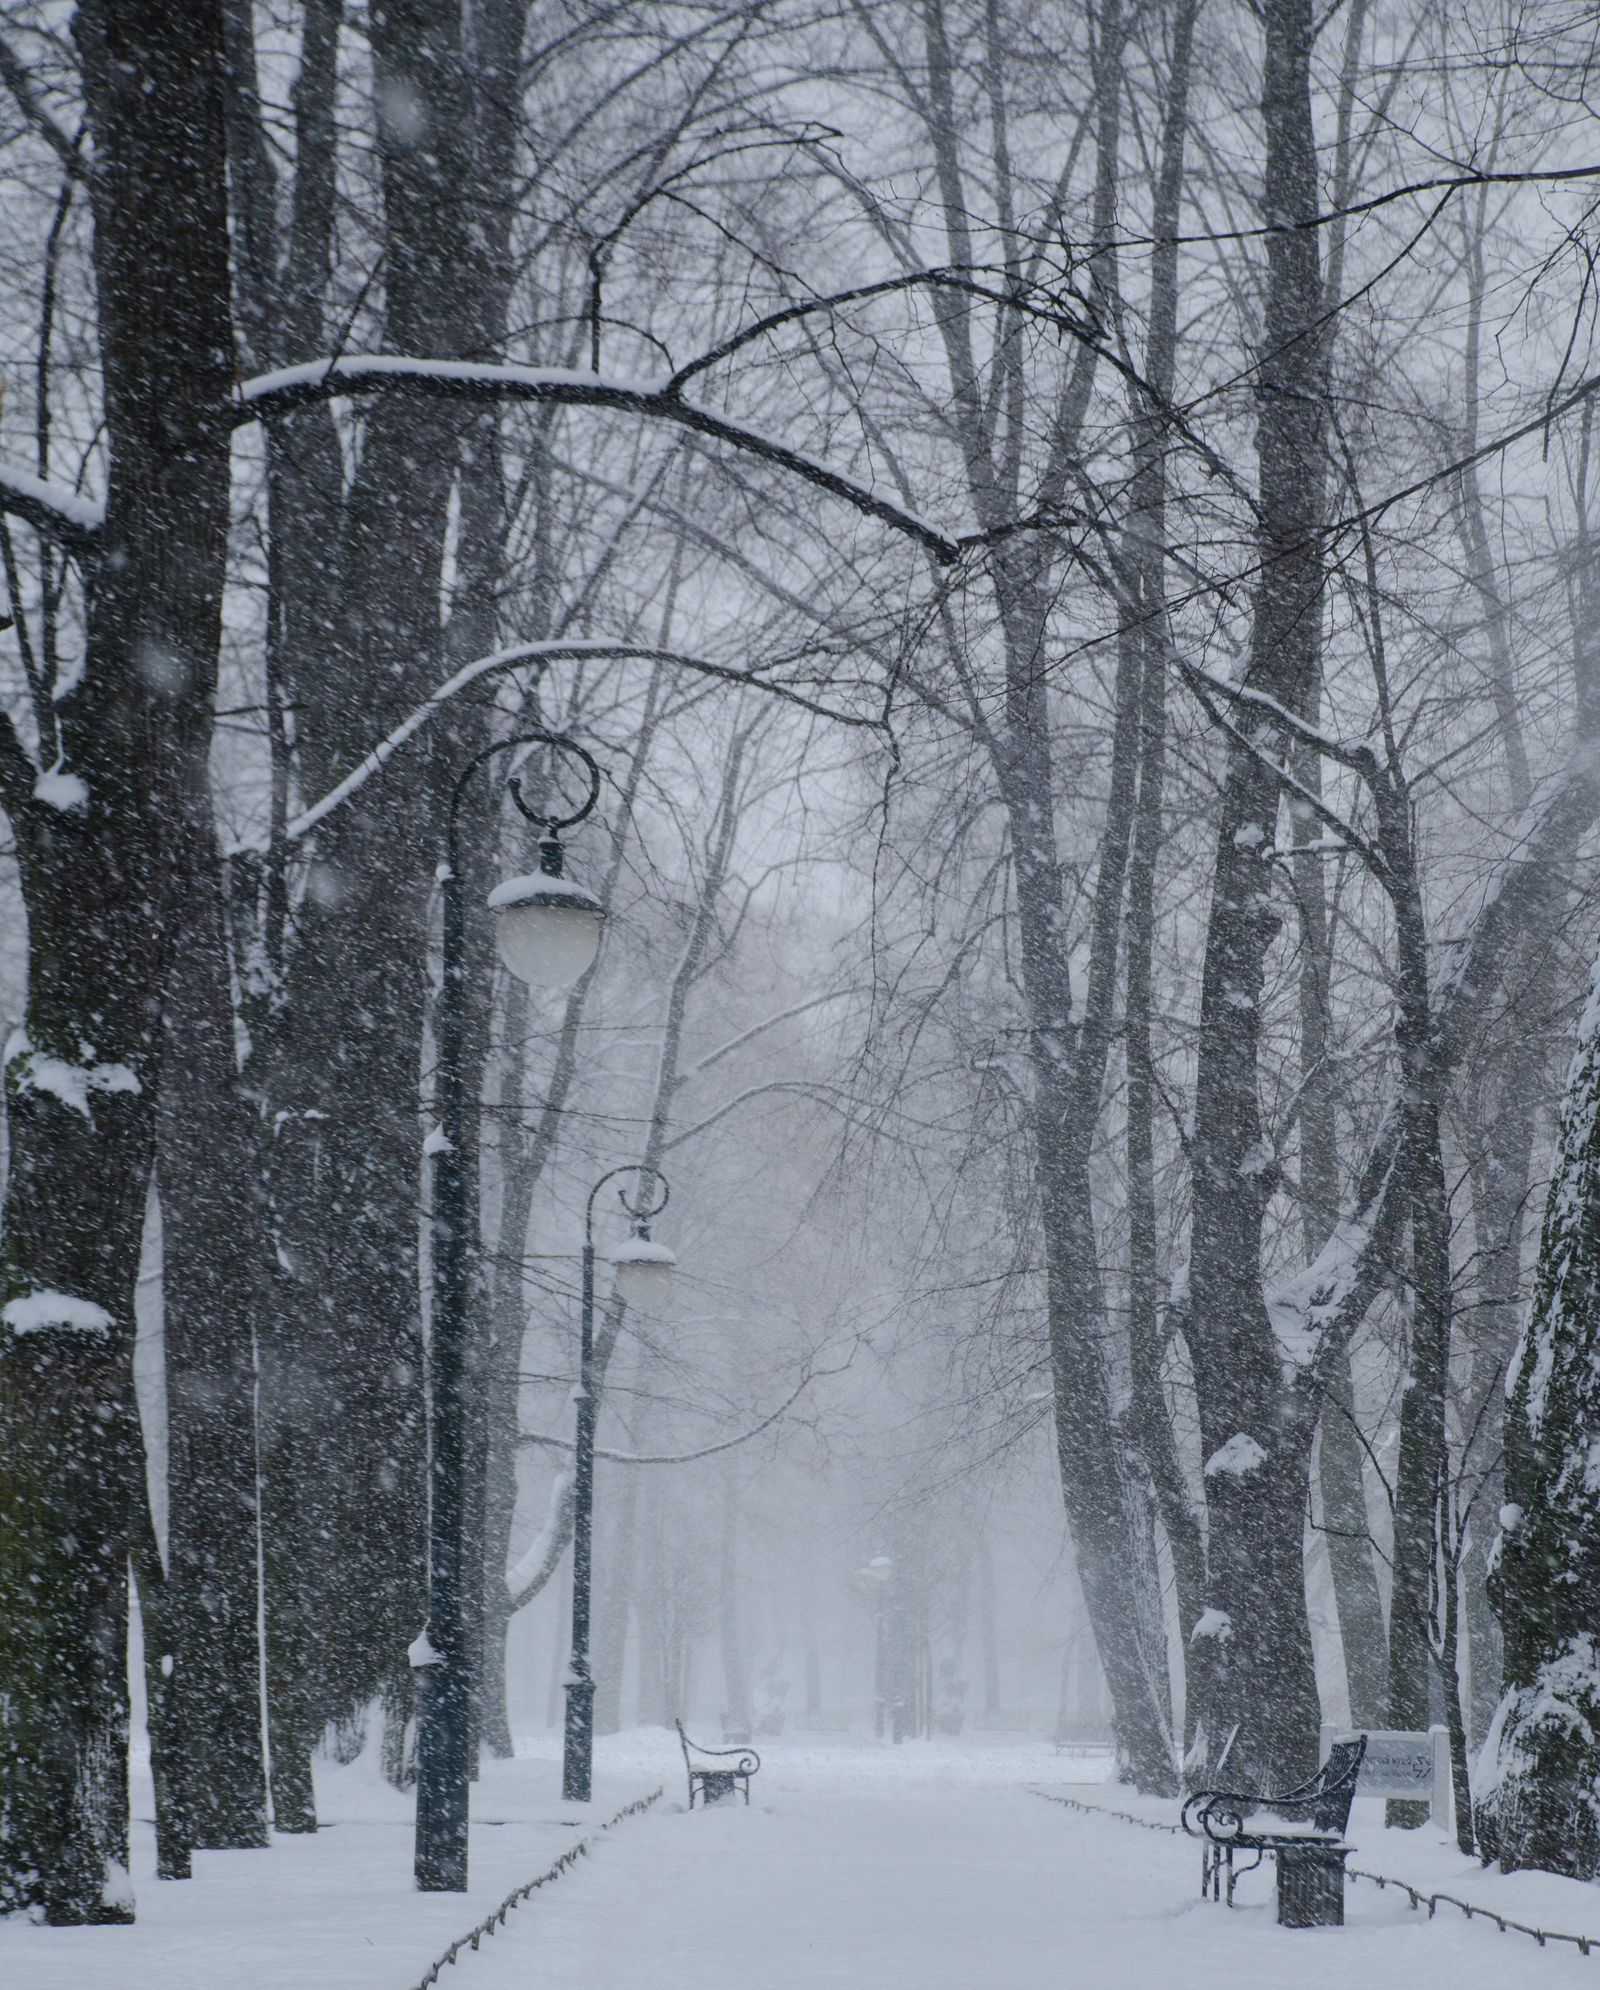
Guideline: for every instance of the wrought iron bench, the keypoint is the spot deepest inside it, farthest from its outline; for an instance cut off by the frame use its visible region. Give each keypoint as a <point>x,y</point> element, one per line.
<point>712,1781</point>
<point>1310,1863</point>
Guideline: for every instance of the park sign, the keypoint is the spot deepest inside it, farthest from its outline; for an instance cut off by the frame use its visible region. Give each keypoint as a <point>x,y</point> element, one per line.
<point>1401,1764</point>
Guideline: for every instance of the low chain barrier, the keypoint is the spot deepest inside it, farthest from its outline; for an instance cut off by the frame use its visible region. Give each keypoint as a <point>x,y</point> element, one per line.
<point>1582,1943</point>
<point>1417,1897</point>
<point>1099,1810</point>
<point>568,1858</point>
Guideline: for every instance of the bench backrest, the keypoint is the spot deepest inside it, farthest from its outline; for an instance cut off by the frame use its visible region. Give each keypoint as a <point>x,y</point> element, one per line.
<point>748,1763</point>
<point>1331,1810</point>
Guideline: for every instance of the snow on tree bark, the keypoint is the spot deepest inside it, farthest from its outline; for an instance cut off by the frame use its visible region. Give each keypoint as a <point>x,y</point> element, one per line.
<point>1538,1798</point>
<point>101,872</point>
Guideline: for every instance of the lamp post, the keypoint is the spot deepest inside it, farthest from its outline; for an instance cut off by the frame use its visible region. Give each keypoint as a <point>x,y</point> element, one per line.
<point>879,1572</point>
<point>643,1272</point>
<point>547,933</point>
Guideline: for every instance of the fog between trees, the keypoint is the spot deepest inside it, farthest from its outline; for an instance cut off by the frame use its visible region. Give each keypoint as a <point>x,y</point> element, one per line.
<point>1067,531</point>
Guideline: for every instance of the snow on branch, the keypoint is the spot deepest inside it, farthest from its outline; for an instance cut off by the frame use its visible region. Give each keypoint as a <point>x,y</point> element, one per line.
<point>756,1029</point>
<point>29,1070</point>
<point>1203,685</point>
<point>36,1312</point>
<point>1314,1313</point>
<point>538,1563</point>
<point>1359,758</point>
<point>272,394</point>
<point>72,521</point>
<point>508,659</point>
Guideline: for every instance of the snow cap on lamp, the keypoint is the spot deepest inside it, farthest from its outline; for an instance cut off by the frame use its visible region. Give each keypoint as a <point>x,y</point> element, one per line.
<point>548,930</point>
<point>642,1270</point>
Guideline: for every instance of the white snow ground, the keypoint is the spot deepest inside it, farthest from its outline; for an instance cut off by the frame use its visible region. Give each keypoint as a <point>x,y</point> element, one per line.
<point>857,1867</point>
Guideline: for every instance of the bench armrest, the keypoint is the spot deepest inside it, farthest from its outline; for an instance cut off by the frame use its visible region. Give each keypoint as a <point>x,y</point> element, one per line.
<point>1218,1813</point>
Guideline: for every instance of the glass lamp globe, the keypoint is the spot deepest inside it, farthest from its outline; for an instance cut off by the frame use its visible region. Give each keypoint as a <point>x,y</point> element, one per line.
<point>548,930</point>
<point>642,1271</point>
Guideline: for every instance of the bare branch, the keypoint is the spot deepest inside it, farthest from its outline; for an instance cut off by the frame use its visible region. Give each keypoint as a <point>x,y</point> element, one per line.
<point>520,653</point>
<point>687,1457</point>
<point>14,73</point>
<point>272,394</point>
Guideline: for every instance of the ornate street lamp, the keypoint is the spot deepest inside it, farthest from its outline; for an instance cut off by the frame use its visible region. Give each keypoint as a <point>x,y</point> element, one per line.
<point>643,1276</point>
<point>548,930</point>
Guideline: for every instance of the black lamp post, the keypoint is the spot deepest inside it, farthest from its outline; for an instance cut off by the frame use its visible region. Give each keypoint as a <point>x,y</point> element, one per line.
<point>879,1573</point>
<point>547,933</point>
<point>643,1272</point>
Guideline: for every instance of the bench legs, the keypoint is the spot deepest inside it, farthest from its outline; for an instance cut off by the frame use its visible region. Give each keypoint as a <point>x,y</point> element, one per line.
<point>1310,1880</point>
<point>715,1784</point>
<point>1216,1861</point>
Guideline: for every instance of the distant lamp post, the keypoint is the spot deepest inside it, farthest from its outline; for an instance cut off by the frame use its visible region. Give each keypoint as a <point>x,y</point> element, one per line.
<point>879,1572</point>
<point>548,930</point>
<point>643,1277</point>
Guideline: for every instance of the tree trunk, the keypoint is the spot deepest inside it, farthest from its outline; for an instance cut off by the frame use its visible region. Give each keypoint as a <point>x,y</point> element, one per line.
<point>1535,1808</point>
<point>737,1723</point>
<point>282,298</point>
<point>1144,610</point>
<point>213,1284</point>
<point>611,1639</point>
<point>495,32</point>
<point>164,1703</point>
<point>1350,1554</point>
<point>1420,1469</point>
<point>987,1632</point>
<point>1500,1174</point>
<point>356,983</point>
<point>1340,1455</point>
<point>102,873</point>
<point>1257,1680</point>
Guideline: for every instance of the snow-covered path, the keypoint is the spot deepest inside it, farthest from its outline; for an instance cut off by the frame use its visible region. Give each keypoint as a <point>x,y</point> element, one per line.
<point>948,1886</point>
<point>932,1867</point>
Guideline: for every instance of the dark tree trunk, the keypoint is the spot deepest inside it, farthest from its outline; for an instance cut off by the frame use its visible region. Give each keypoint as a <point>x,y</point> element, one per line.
<point>1257,1675</point>
<point>213,1284</point>
<point>1357,1597</point>
<point>492,57</point>
<point>1102,1475</point>
<point>101,879</point>
<point>281,307</point>
<point>347,1375</point>
<point>1420,1468</point>
<point>1144,613</point>
<point>1536,1807</point>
